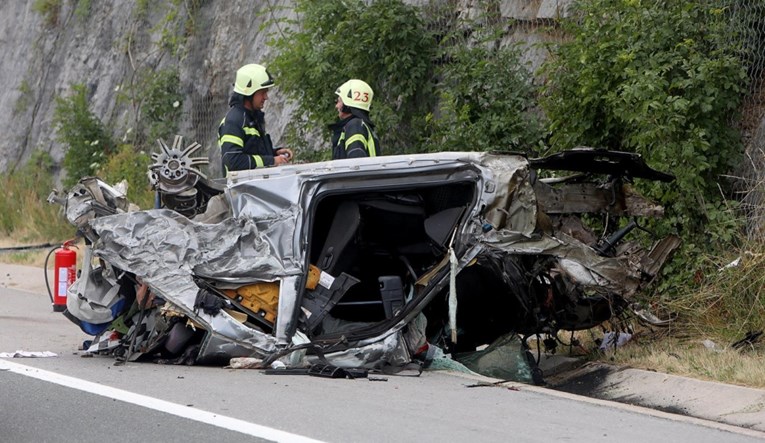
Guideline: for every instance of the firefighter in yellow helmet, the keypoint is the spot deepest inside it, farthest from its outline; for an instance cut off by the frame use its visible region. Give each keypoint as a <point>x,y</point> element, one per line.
<point>242,136</point>
<point>353,135</point>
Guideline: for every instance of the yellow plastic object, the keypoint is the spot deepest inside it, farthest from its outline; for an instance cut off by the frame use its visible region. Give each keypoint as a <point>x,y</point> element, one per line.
<point>313,277</point>
<point>261,298</point>
<point>241,317</point>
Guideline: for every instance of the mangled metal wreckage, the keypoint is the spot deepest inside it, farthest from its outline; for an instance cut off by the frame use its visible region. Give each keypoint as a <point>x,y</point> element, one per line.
<point>363,263</point>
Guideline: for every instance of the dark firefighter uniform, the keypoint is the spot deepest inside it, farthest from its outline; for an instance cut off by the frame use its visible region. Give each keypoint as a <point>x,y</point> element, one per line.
<point>354,137</point>
<point>242,138</point>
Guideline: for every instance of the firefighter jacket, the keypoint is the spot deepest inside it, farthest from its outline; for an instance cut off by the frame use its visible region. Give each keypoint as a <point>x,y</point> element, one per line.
<point>242,138</point>
<point>354,137</point>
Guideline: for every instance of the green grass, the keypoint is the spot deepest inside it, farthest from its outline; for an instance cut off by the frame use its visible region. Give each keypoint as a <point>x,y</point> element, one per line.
<point>690,358</point>
<point>730,300</point>
<point>25,215</point>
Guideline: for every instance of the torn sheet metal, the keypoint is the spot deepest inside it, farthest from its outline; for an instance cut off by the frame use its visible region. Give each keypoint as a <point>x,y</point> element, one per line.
<point>386,227</point>
<point>167,250</point>
<point>578,260</point>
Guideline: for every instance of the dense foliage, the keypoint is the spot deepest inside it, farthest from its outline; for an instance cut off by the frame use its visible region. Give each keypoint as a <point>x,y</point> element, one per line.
<point>159,99</point>
<point>486,99</point>
<point>385,44</point>
<point>131,166</point>
<point>86,136</point>
<point>92,150</point>
<point>661,79</point>
<point>433,91</point>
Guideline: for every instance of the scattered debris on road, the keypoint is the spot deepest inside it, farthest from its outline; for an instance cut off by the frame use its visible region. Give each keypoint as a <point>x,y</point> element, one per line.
<point>28,354</point>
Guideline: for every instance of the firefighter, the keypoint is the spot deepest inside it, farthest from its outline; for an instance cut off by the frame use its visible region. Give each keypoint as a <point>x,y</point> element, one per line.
<point>353,135</point>
<point>242,137</point>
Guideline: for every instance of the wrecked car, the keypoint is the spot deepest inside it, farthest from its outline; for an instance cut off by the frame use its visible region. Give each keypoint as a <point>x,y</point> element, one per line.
<point>364,263</point>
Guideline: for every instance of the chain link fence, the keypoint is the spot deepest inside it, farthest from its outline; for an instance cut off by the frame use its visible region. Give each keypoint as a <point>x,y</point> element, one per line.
<point>748,16</point>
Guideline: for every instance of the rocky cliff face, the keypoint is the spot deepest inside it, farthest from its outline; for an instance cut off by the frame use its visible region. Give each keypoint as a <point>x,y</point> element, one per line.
<point>43,54</point>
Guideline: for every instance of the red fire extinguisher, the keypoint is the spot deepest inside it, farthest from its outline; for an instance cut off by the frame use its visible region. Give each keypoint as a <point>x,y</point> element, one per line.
<point>65,266</point>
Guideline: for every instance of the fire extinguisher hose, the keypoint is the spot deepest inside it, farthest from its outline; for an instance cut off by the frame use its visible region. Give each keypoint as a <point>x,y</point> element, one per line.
<point>28,247</point>
<point>45,271</point>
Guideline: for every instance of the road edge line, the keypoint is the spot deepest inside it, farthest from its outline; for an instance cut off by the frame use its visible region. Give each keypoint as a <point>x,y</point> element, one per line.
<point>156,404</point>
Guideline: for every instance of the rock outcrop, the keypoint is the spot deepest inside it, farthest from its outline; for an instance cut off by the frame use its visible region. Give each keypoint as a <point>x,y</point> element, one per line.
<point>107,46</point>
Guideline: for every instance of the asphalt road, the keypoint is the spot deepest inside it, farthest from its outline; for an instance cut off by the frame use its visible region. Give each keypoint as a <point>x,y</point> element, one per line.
<point>39,411</point>
<point>71,398</point>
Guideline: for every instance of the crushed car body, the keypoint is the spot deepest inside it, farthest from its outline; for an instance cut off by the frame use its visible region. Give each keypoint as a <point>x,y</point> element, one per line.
<point>363,263</point>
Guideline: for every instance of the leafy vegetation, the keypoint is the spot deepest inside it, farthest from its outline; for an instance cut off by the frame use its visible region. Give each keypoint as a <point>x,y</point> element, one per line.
<point>92,150</point>
<point>24,100</point>
<point>661,79</point>
<point>82,9</point>
<point>49,9</point>
<point>433,92</point>
<point>26,215</point>
<point>131,166</point>
<point>178,23</point>
<point>88,140</point>
<point>334,42</point>
<point>141,8</point>
<point>157,96</point>
<point>486,99</point>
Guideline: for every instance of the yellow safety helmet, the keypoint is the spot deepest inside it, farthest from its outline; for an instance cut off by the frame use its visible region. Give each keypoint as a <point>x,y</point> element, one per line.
<point>251,78</point>
<point>356,94</point>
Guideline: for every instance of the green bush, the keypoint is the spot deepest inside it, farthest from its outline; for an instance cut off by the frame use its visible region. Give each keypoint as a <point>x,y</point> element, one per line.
<point>661,79</point>
<point>433,92</point>
<point>82,10</point>
<point>384,44</point>
<point>131,166</point>
<point>156,101</point>
<point>486,97</point>
<point>161,98</point>
<point>486,102</point>
<point>25,98</point>
<point>88,141</point>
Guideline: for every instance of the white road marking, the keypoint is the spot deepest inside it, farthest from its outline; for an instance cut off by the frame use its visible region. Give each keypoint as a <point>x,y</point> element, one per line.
<point>188,412</point>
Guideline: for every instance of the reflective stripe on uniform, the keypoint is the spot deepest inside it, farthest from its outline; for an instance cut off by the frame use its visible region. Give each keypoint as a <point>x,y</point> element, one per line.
<point>251,131</point>
<point>368,142</point>
<point>258,161</point>
<point>234,140</point>
<point>371,142</point>
<point>356,138</point>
